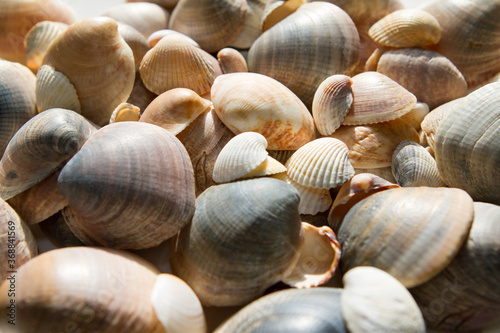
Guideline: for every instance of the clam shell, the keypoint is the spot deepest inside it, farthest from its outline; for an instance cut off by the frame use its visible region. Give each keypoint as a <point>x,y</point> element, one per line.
<point>231,61</point>
<point>413,165</point>
<point>377,98</point>
<point>322,163</point>
<point>247,102</point>
<point>251,30</point>
<point>54,90</point>
<point>417,115</point>
<point>144,171</point>
<point>406,28</point>
<point>411,233</point>
<point>38,39</point>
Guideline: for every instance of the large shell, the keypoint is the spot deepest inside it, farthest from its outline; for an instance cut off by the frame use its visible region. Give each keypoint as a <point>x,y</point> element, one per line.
<point>97,61</point>
<point>130,186</point>
<point>410,232</point>
<point>213,24</point>
<point>467,144</point>
<point>302,50</point>
<point>248,102</point>
<point>17,99</point>
<point>38,39</point>
<point>44,143</point>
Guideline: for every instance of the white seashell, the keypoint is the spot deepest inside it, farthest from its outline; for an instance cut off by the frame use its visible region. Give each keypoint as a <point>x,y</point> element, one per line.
<point>54,90</point>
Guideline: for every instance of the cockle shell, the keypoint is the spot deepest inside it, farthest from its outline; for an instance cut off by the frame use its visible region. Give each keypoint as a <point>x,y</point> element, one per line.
<point>411,233</point>
<point>247,102</point>
<point>147,175</point>
<point>212,24</point>
<point>155,37</point>
<point>54,90</point>
<point>377,98</point>
<point>322,163</point>
<point>231,61</point>
<point>409,27</point>
<point>38,39</point>
<point>97,61</point>
<point>317,40</point>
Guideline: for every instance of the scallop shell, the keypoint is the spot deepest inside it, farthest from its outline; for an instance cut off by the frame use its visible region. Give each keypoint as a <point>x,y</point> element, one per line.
<point>409,27</point>
<point>377,98</point>
<point>247,102</point>
<point>322,163</point>
<point>54,90</point>
<point>38,39</point>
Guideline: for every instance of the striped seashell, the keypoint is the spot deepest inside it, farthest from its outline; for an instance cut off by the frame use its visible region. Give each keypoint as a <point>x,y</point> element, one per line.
<point>54,90</point>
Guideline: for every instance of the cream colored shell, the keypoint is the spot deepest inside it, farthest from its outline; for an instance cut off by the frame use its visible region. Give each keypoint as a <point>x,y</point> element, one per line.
<point>53,89</point>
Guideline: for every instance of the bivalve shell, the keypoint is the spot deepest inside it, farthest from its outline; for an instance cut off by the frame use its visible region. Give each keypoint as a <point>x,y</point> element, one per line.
<point>38,39</point>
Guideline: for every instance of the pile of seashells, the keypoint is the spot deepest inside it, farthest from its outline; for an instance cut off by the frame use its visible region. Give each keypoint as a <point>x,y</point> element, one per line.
<point>309,165</point>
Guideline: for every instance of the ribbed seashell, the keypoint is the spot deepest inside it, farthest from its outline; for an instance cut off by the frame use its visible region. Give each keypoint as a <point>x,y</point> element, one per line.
<point>377,98</point>
<point>219,268</point>
<point>332,101</point>
<point>54,90</point>
<point>245,156</point>
<point>231,61</point>
<point>413,165</point>
<point>374,301</point>
<point>137,42</point>
<point>212,24</point>
<point>38,39</point>
<point>431,77</point>
<point>101,290</point>
<point>17,99</point>
<point>372,146</point>
<point>313,310</point>
<point>251,102</point>
<point>322,163</point>
<point>277,10</point>
<point>411,233</point>
<point>409,27</point>
<point>251,30</point>
<point>175,109</point>
<point>98,62</point>
<point>467,144</point>
<point>417,115</point>
<point>18,245</point>
<point>353,191</point>
<point>144,171</point>
<point>281,155</point>
<point>167,4</point>
<point>466,292</point>
<point>316,41</point>
<point>125,112</point>
<point>175,63</point>
<point>18,17</point>
<point>470,36</point>
<point>155,37</point>
<point>145,17</point>
<point>39,147</point>
<point>385,173</point>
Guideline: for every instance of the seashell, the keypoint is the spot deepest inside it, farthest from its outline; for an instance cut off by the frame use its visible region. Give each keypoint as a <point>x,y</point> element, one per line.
<point>245,156</point>
<point>433,78</point>
<point>322,163</point>
<point>137,42</point>
<point>175,109</point>
<point>464,296</point>
<point>384,173</point>
<point>377,98</point>
<point>140,95</point>
<point>175,63</point>
<point>251,30</point>
<point>212,24</point>
<point>54,90</point>
<point>281,155</point>
<point>469,36</point>
<point>251,102</point>
<point>101,290</point>
<point>219,269</point>
<point>313,310</point>
<point>155,37</point>
<point>372,146</point>
<point>167,4</point>
<point>408,27</point>
<point>353,191</point>
<point>466,144</point>
<point>39,147</point>
<point>231,61</point>
<point>18,17</point>
<point>85,52</point>
<point>38,39</point>
<point>301,51</point>
<point>57,231</point>
<point>277,10</point>
<point>411,233</point>
<point>367,47</point>
<point>125,112</point>
<point>147,175</point>
<point>413,165</point>
<point>417,115</point>
<point>332,101</point>
<point>18,245</point>
<point>374,301</point>
<point>145,17</point>
<point>17,96</point>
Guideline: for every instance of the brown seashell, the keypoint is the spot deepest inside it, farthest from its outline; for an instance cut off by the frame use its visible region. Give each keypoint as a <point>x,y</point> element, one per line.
<point>58,232</point>
<point>231,61</point>
<point>38,39</point>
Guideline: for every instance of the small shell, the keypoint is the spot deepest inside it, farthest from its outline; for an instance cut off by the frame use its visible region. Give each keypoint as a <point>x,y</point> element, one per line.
<point>155,37</point>
<point>413,165</point>
<point>377,98</point>
<point>53,89</point>
<point>231,61</point>
<point>417,115</point>
<point>322,163</point>
<point>125,112</point>
<point>251,30</point>
<point>406,28</point>
<point>277,10</point>
<point>332,101</point>
<point>37,41</point>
